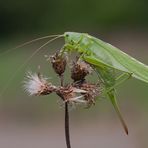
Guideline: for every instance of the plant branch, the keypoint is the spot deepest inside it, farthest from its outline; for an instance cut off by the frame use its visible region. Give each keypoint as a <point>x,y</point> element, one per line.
<point>67,134</point>
<point>62,80</point>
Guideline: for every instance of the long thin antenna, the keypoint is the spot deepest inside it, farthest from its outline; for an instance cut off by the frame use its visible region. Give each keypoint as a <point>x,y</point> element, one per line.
<point>29,42</point>
<point>30,57</point>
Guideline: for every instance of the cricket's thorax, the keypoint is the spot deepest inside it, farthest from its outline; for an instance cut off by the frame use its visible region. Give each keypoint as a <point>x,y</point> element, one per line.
<point>84,43</point>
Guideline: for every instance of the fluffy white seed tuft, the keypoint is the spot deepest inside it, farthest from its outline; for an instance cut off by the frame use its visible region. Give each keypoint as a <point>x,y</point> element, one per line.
<point>35,84</point>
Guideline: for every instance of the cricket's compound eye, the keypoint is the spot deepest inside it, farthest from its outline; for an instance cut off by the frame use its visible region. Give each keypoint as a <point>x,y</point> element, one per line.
<point>67,35</point>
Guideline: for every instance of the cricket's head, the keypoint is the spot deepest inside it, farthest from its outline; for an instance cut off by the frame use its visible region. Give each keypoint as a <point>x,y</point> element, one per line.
<point>73,37</point>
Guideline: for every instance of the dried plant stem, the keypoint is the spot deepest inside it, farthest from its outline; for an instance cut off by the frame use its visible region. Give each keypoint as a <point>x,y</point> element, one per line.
<point>67,136</point>
<point>62,80</point>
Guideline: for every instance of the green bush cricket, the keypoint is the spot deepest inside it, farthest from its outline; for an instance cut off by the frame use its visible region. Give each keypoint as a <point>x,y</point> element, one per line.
<point>105,59</point>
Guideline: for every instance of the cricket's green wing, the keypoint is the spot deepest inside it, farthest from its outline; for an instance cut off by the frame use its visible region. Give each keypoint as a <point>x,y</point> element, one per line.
<point>114,57</point>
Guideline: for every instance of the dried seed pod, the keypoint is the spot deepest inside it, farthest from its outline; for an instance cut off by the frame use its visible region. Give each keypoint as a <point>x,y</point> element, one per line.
<point>58,63</point>
<point>71,94</point>
<point>79,70</point>
<point>36,84</point>
<point>92,91</point>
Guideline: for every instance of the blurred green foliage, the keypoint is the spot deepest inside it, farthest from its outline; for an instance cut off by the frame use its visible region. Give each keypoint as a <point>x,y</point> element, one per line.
<point>63,15</point>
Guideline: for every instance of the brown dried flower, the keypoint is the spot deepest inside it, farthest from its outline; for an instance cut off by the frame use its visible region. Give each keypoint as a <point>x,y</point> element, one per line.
<point>71,94</point>
<point>36,84</point>
<point>91,91</point>
<point>79,70</point>
<point>58,63</point>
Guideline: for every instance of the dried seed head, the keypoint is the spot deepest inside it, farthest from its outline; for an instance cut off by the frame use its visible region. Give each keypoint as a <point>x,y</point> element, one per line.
<point>58,63</point>
<point>36,84</point>
<point>92,91</point>
<point>79,70</point>
<point>71,94</point>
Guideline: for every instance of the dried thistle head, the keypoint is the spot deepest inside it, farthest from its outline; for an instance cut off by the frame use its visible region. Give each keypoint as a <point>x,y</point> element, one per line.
<point>80,70</point>
<point>91,91</point>
<point>58,63</point>
<point>71,94</point>
<point>36,84</point>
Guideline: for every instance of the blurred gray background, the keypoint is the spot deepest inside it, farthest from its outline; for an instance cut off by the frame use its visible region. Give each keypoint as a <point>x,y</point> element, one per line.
<point>39,121</point>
